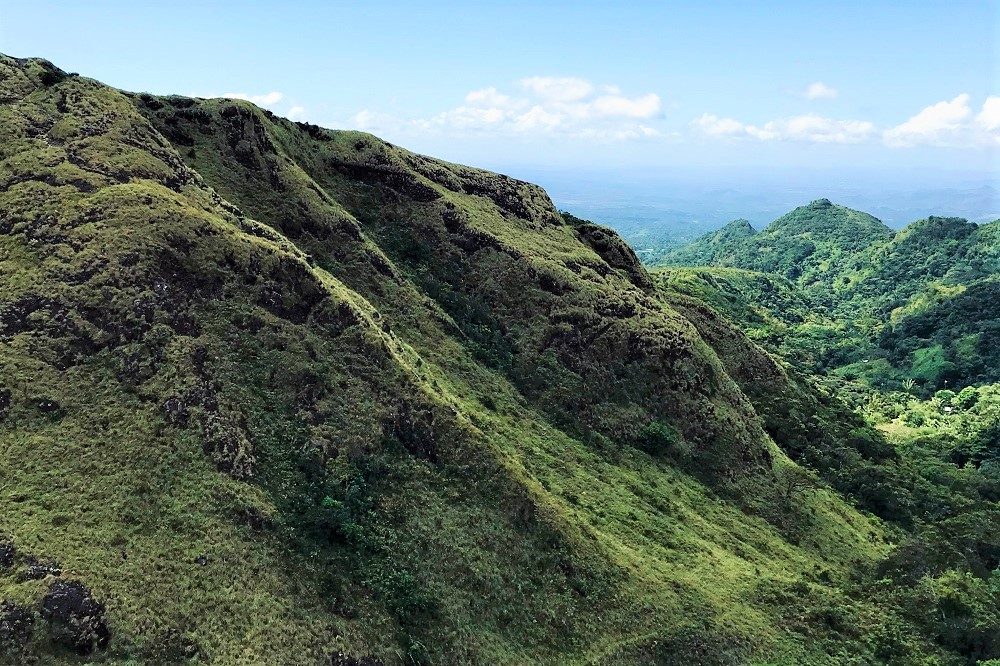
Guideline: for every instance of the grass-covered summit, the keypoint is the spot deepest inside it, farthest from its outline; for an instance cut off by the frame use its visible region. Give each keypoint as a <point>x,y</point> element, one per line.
<point>275,393</point>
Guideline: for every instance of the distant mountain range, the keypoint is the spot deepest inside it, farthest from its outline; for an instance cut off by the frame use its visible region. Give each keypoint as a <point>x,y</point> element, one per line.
<point>655,209</point>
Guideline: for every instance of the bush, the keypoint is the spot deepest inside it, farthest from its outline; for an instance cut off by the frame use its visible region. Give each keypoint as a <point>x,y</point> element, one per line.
<point>963,612</point>
<point>967,397</point>
<point>945,396</point>
<point>661,439</point>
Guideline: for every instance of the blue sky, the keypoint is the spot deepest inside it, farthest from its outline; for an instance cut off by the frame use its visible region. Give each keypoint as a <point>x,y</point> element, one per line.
<point>867,85</point>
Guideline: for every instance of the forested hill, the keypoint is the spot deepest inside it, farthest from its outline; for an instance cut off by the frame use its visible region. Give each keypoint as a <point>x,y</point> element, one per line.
<point>921,304</point>
<point>272,393</point>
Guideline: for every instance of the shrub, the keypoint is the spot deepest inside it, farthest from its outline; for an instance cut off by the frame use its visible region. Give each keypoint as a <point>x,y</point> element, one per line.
<point>967,397</point>
<point>658,438</point>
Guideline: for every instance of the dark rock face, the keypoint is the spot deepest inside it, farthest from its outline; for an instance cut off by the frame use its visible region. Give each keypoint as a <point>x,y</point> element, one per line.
<point>227,444</point>
<point>8,553</point>
<point>39,569</point>
<point>48,406</point>
<point>75,618</point>
<point>16,624</point>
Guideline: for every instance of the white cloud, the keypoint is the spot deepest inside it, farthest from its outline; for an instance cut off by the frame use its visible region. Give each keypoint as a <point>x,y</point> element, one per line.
<point>646,106</point>
<point>989,117</point>
<point>537,117</point>
<point>373,121</point>
<point>949,123</point>
<point>489,97</point>
<point>809,127</point>
<point>266,99</point>
<point>296,113</point>
<point>552,106</point>
<point>938,124</point>
<point>713,125</point>
<point>819,90</point>
<point>825,130</point>
<point>566,89</point>
<point>470,117</point>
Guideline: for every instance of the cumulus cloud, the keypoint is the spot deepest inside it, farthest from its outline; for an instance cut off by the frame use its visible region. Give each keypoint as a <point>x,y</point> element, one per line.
<point>949,123</point>
<point>489,97</point>
<point>540,105</point>
<point>809,127</point>
<point>819,90</point>
<point>296,113</point>
<point>644,106</point>
<point>373,121</point>
<point>713,125</point>
<point>826,130</point>
<point>266,99</point>
<point>556,89</point>
<point>989,117</point>
<point>936,124</point>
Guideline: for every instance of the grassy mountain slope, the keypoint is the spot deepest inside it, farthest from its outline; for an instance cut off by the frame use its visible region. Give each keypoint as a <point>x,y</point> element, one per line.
<point>272,392</point>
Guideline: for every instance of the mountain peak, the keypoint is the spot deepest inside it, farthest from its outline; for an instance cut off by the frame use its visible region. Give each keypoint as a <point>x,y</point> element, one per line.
<point>826,220</point>
<point>740,224</point>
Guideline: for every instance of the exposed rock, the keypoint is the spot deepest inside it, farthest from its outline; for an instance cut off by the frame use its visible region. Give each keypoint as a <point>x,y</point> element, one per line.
<point>175,411</point>
<point>39,569</point>
<point>48,406</point>
<point>226,442</point>
<point>16,624</point>
<point>8,553</point>
<point>76,620</point>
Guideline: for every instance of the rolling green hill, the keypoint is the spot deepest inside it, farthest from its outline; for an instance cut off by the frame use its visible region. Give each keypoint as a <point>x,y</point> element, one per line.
<point>814,246</point>
<point>275,393</point>
<point>917,305</point>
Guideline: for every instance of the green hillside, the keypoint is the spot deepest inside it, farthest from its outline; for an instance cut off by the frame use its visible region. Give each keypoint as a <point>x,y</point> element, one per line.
<point>271,393</point>
<point>815,246</point>
<point>918,305</point>
<point>722,247</point>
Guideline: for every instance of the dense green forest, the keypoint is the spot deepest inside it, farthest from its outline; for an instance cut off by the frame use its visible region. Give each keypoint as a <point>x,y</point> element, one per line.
<point>271,393</point>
